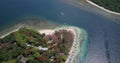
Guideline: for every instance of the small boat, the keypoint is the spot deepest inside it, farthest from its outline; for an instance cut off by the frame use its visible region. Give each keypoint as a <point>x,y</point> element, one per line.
<point>62,13</point>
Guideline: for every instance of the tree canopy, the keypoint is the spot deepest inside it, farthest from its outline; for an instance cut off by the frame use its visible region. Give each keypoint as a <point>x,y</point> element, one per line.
<point>113,5</point>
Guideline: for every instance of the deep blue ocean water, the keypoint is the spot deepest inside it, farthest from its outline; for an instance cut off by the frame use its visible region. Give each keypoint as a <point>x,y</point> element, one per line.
<point>104,35</point>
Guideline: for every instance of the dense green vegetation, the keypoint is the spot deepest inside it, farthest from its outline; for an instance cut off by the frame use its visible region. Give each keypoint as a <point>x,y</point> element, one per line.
<point>113,5</point>
<point>23,46</point>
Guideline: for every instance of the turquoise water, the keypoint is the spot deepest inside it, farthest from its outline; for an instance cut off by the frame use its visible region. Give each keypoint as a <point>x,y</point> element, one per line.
<point>99,28</point>
<point>84,49</point>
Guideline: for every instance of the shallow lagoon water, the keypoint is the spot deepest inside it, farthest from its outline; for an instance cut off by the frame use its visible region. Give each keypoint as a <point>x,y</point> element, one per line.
<point>99,28</point>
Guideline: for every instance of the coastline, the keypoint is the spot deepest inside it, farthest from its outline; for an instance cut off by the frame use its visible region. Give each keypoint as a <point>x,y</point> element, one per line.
<point>100,7</point>
<point>33,23</point>
<point>10,32</point>
<point>80,36</point>
<point>84,5</point>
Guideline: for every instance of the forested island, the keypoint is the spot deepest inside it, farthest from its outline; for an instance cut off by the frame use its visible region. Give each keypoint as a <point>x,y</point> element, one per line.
<point>113,5</point>
<point>29,46</point>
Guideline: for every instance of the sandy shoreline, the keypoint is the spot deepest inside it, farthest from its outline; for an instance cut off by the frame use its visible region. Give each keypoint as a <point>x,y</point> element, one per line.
<point>75,48</point>
<point>10,32</point>
<point>46,31</point>
<point>85,6</point>
<point>79,35</point>
<point>94,4</point>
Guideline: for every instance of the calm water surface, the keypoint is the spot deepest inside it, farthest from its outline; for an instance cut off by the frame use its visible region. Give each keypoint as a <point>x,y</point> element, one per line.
<point>104,34</point>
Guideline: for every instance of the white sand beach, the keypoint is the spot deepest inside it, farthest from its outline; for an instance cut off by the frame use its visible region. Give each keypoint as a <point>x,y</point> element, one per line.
<point>79,35</point>
<point>10,32</point>
<point>46,31</point>
<point>75,48</point>
<point>94,4</point>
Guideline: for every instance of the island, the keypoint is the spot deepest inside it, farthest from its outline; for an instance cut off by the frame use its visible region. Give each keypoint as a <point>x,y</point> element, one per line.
<point>65,44</point>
